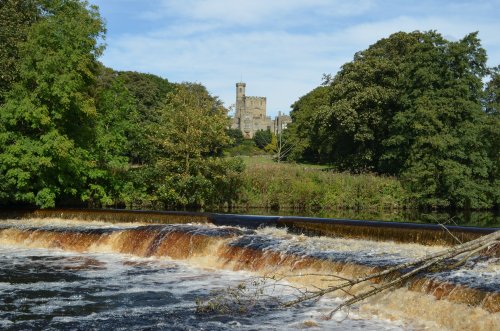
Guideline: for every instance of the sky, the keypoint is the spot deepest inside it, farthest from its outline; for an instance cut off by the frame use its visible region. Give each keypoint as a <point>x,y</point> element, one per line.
<point>279,48</point>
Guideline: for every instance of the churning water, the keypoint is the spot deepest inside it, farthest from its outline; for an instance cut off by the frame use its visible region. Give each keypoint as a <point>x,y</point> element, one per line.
<point>59,274</point>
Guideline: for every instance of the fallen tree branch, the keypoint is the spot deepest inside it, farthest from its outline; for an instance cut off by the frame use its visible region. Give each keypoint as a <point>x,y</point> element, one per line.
<point>420,265</point>
<point>243,296</point>
<point>397,281</point>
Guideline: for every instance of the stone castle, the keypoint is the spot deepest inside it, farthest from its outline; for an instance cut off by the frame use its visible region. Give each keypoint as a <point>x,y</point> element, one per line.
<point>250,115</point>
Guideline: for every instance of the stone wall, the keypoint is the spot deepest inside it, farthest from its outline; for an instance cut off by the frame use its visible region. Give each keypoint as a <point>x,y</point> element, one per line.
<point>250,114</point>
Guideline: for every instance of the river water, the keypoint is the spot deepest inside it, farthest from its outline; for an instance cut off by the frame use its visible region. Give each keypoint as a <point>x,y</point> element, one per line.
<point>70,274</point>
<point>462,218</point>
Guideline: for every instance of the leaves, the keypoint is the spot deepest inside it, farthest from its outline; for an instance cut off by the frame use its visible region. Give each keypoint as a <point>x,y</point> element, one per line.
<point>192,130</point>
<point>410,105</point>
<point>46,116</point>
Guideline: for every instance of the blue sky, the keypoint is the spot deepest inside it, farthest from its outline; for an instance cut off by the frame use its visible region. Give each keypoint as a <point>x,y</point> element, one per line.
<point>281,48</point>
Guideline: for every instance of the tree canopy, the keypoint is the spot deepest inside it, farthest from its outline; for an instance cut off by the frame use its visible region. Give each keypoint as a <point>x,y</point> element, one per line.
<point>413,105</point>
<point>73,131</point>
<point>45,131</point>
<point>410,105</point>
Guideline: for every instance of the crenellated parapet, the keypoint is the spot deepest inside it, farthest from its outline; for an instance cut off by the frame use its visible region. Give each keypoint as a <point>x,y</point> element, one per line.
<point>251,114</point>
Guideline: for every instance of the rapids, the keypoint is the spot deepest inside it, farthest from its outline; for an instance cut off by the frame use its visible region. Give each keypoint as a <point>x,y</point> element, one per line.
<point>86,274</point>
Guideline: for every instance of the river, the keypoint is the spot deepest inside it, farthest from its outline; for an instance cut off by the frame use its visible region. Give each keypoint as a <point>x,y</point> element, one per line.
<point>74,274</point>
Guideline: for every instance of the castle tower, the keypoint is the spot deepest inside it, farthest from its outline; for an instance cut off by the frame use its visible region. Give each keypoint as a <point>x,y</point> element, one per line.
<point>250,113</point>
<point>240,102</point>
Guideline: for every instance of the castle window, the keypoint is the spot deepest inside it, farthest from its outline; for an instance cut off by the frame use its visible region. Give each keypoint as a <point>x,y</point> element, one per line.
<point>241,90</point>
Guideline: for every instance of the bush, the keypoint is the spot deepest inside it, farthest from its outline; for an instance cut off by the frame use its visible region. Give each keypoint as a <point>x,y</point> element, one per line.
<point>262,138</point>
<point>292,186</point>
<point>247,148</point>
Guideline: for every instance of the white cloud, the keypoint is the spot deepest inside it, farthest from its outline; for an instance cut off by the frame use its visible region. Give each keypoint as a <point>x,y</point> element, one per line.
<point>245,12</point>
<point>277,63</point>
<point>281,48</point>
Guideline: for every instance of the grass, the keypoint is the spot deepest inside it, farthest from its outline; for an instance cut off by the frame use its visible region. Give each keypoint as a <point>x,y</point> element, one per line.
<point>254,160</point>
<point>267,184</point>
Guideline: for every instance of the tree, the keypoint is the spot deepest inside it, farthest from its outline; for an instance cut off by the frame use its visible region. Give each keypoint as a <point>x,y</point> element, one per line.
<point>194,125</point>
<point>304,133</point>
<point>492,100</point>
<point>279,146</point>
<point>193,133</point>
<point>410,105</point>
<point>45,129</point>
<point>438,135</point>
<point>116,132</point>
<point>149,92</point>
<point>262,138</point>
<point>365,95</point>
<point>492,131</point>
<point>16,17</point>
<point>236,137</point>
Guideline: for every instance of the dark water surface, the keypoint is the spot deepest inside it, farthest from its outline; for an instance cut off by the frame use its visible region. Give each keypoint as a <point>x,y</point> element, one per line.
<point>463,218</point>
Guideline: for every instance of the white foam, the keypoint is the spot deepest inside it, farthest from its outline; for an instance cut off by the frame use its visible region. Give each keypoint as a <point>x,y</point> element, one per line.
<point>119,277</point>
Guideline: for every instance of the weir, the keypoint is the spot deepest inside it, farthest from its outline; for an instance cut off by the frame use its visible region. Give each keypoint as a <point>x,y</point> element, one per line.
<point>427,234</point>
<point>474,288</point>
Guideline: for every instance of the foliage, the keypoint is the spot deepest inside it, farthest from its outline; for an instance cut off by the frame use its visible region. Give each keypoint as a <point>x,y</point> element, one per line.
<point>236,137</point>
<point>492,101</point>
<point>492,130</point>
<point>116,130</point>
<point>304,131</point>
<point>299,187</point>
<point>193,132</point>
<point>262,138</point>
<point>246,148</point>
<point>149,92</point>
<point>16,17</point>
<point>193,125</point>
<point>215,184</point>
<point>438,136</point>
<point>272,146</point>
<point>410,105</point>
<point>45,123</point>
<point>72,130</point>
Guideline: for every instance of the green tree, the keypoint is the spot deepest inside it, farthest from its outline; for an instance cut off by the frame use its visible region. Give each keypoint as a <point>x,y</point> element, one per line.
<point>236,137</point>
<point>193,133</point>
<point>304,133</point>
<point>116,129</point>
<point>45,128</point>
<point>364,97</point>
<point>411,105</point>
<point>130,108</point>
<point>492,100</point>
<point>262,138</point>
<point>149,92</point>
<point>193,125</point>
<point>445,162</point>
<point>492,132</point>
<point>16,17</point>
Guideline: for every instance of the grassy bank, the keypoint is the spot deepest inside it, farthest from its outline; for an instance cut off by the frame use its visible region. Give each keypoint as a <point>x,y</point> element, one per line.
<point>303,187</point>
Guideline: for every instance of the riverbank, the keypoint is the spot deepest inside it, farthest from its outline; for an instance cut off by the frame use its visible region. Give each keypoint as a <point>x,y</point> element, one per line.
<point>304,187</point>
